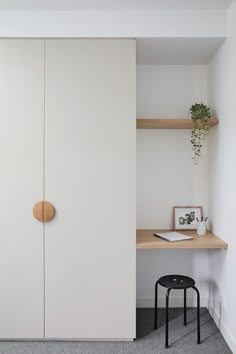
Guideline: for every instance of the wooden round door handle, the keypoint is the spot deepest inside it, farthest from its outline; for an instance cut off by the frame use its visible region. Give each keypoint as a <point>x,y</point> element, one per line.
<point>43,211</point>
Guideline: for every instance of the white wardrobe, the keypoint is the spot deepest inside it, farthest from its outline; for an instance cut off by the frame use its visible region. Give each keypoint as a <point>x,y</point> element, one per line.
<point>67,135</point>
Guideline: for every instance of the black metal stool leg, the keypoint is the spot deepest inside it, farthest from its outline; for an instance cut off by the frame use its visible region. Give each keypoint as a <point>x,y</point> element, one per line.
<point>156,298</point>
<point>167,316</point>
<point>198,315</point>
<point>185,317</point>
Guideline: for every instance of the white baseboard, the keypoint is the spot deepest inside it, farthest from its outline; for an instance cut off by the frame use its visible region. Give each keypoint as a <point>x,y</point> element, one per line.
<point>230,340</point>
<point>173,301</point>
<point>67,340</point>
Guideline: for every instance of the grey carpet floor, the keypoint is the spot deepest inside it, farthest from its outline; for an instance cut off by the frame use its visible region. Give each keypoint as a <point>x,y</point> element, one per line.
<point>182,339</point>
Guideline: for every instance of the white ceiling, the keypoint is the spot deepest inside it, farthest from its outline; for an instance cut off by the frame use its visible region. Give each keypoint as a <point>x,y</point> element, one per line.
<point>113,5</point>
<point>149,50</point>
<point>164,51</point>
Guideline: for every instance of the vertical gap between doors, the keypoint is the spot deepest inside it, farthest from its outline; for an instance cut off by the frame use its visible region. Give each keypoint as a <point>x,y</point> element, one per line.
<point>44,130</point>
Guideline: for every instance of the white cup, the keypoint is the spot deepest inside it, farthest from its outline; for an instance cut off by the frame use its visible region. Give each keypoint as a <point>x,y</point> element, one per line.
<point>201,228</point>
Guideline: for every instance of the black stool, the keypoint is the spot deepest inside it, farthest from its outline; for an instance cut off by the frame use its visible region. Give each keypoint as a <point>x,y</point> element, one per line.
<point>179,282</point>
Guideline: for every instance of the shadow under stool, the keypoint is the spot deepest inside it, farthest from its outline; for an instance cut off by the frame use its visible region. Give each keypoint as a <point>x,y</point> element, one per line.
<point>177,282</point>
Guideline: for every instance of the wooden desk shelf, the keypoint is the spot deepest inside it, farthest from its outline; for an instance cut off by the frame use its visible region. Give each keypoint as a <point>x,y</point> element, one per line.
<point>168,123</point>
<point>145,239</point>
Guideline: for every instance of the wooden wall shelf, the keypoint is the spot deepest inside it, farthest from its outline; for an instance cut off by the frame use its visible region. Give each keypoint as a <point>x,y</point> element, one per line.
<point>142,123</point>
<point>145,239</point>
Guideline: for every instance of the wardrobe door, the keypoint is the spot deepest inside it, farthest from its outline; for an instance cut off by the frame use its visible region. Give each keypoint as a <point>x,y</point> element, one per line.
<point>21,161</point>
<point>90,180</point>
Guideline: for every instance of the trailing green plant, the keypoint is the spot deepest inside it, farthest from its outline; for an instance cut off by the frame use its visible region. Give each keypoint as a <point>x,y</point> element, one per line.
<point>200,114</point>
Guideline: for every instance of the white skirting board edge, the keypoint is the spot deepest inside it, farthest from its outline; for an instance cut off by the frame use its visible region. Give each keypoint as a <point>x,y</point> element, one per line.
<point>173,301</point>
<point>67,340</point>
<point>230,340</point>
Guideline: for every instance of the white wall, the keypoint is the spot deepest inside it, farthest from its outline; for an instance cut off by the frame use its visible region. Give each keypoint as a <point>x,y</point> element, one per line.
<point>166,174</point>
<point>222,177</point>
<point>113,23</point>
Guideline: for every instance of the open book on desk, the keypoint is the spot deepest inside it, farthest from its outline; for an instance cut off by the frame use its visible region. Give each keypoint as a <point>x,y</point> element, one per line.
<point>173,236</point>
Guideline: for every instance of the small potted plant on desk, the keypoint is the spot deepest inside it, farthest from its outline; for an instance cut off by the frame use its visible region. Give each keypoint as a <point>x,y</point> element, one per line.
<point>201,116</point>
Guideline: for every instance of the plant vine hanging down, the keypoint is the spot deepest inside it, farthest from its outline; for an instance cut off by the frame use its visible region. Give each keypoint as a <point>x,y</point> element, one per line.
<point>200,114</point>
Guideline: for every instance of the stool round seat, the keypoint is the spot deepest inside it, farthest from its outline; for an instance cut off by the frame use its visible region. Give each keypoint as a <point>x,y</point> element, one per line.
<point>176,282</point>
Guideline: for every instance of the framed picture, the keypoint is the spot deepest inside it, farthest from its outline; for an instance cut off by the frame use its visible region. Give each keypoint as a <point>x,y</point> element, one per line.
<point>185,217</point>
